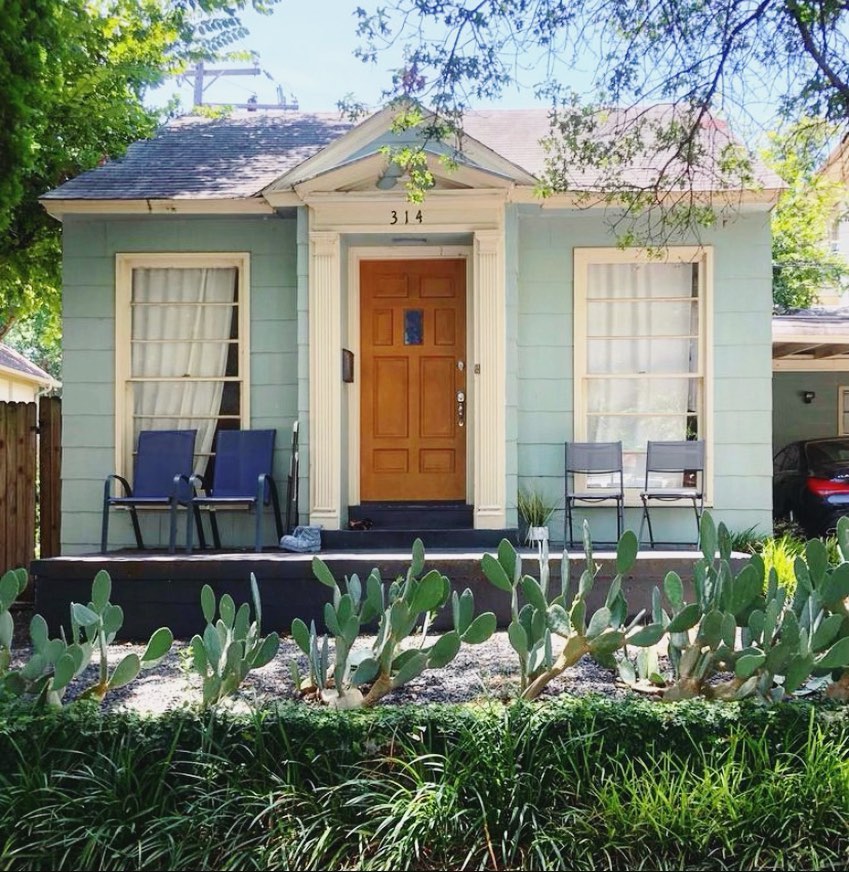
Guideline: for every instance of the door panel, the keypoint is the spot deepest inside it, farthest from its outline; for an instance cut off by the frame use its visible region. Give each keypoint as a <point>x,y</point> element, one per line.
<point>413,336</point>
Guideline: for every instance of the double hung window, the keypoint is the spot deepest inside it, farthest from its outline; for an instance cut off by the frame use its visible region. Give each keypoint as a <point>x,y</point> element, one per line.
<point>640,349</point>
<point>181,348</point>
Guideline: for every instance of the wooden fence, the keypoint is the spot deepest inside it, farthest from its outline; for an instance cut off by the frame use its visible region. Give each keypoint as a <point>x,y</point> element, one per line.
<point>30,454</point>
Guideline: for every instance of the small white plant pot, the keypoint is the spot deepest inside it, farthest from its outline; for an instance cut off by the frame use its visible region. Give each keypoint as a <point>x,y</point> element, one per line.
<point>537,534</point>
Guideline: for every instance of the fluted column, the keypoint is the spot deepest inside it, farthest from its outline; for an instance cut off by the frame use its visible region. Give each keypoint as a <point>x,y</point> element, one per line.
<point>325,338</point>
<point>491,381</point>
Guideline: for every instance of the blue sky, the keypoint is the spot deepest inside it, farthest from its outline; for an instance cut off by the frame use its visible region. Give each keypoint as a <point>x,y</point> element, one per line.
<point>307,47</point>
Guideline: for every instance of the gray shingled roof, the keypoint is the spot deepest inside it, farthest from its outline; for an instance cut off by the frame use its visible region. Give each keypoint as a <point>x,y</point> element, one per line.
<point>11,359</point>
<point>241,154</point>
<point>196,157</point>
<point>518,135</point>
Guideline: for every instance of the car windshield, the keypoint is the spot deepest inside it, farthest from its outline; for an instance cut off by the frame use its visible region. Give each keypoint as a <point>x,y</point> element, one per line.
<point>828,454</point>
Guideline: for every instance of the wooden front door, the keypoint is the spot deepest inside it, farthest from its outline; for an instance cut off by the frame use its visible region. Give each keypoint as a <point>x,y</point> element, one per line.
<point>413,369</point>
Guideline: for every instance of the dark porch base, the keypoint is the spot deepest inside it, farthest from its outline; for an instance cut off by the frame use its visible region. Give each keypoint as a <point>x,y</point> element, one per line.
<point>162,589</point>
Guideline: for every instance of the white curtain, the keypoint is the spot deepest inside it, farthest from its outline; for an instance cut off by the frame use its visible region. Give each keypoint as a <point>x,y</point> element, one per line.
<point>639,318</point>
<point>181,327</point>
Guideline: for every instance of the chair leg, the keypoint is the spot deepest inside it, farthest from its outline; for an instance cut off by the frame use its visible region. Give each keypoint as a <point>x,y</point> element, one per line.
<point>646,519</point>
<point>199,525</point>
<point>216,536</point>
<point>104,528</point>
<point>190,509</point>
<point>620,519</point>
<point>567,527</point>
<point>172,527</point>
<point>698,512</point>
<point>275,505</point>
<point>136,528</point>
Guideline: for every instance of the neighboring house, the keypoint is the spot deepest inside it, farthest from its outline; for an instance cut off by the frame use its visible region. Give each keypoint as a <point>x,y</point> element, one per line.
<point>21,381</point>
<point>214,276</point>
<point>811,347</point>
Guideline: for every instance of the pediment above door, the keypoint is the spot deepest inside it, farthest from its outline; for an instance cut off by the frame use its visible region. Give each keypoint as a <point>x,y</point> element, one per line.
<point>359,162</point>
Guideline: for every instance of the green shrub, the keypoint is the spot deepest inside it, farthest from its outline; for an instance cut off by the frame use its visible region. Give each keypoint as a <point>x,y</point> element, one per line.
<point>583,783</point>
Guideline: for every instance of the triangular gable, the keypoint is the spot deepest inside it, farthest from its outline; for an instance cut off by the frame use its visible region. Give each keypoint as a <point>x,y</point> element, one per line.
<point>357,159</point>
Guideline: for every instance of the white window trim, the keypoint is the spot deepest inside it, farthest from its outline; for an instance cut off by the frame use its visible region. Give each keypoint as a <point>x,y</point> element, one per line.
<point>583,258</point>
<point>124,266</point>
<point>841,430</point>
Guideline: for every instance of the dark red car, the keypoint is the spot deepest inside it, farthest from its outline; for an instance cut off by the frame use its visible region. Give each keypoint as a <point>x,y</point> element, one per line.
<point>810,484</point>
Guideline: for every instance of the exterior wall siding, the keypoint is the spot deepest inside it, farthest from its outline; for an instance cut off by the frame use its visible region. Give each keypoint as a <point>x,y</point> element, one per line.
<point>742,368</point>
<point>90,247</point>
<point>793,419</point>
<point>539,248</point>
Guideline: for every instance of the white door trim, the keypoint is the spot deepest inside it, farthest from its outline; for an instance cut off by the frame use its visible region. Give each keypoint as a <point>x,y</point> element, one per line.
<point>356,255</point>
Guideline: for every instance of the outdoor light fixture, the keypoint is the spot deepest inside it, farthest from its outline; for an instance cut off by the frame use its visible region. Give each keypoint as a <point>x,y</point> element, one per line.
<point>808,396</point>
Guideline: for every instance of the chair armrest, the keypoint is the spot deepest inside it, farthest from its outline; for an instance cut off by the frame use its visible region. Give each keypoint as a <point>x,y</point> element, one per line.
<point>198,483</point>
<point>107,495</point>
<point>261,497</point>
<point>189,481</point>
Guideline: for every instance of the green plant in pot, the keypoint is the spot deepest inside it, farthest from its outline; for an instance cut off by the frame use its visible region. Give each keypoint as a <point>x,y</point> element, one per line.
<point>535,510</point>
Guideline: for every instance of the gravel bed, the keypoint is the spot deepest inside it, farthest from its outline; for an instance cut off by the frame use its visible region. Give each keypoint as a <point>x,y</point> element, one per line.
<point>481,672</point>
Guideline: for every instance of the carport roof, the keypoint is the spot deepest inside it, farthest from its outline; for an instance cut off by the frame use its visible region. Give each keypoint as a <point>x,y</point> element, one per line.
<point>817,334</point>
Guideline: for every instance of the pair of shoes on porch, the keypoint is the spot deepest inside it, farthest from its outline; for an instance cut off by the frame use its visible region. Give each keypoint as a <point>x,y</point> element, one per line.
<point>304,540</point>
<point>361,524</point>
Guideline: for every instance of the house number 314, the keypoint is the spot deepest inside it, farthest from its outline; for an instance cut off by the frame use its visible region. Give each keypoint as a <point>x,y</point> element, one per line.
<point>405,217</point>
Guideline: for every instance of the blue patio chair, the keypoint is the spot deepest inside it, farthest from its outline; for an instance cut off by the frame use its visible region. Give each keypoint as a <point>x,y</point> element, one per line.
<point>680,461</point>
<point>161,477</point>
<point>241,480</point>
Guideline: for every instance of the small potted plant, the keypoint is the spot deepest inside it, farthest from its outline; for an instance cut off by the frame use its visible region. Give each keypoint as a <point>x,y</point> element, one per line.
<point>536,511</point>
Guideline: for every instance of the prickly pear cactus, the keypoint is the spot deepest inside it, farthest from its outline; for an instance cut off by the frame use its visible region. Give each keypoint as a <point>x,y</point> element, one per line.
<point>95,626</point>
<point>55,663</point>
<point>745,624</point>
<point>12,585</point>
<point>364,676</point>
<point>230,646</point>
<point>538,620</point>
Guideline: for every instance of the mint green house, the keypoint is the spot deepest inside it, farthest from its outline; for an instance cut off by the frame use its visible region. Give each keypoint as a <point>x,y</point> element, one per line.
<point>214,276</point>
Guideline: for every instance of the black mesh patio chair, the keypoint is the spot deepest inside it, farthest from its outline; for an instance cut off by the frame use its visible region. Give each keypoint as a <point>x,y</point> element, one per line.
<point>292,482</point>
<point>594,458</point>
<point>241,480</point>
<point>161,477</point>
<point>684,461</point>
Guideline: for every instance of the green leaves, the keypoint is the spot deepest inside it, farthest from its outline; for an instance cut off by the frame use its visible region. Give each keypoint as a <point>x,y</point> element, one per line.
<point>157,647</point>
<point>429,592</point>
<point>321,571</point>
<point>651,634</point>
<point>626,552</point>
<point>481,628</point>
<point>207,603</point>
<point>673,587</point>
<point>496,573</point>
<point>687,618</point>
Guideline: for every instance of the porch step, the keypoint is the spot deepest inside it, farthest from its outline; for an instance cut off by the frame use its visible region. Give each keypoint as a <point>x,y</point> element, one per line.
<point>378,539</point>
<point>414,515</point>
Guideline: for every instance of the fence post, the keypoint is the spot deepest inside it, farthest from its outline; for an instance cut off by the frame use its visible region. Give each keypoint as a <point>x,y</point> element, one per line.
<point>50,475</point>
